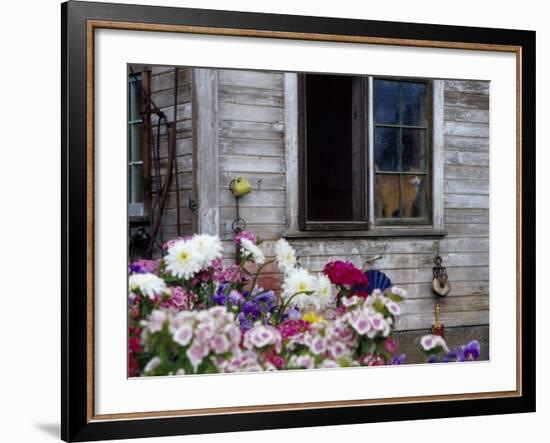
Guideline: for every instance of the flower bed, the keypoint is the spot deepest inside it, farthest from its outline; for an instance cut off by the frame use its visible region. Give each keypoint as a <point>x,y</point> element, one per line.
<point>189,314</point>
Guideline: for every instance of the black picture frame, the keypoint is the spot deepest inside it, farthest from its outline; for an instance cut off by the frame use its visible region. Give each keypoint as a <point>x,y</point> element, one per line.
<point>76,422</point>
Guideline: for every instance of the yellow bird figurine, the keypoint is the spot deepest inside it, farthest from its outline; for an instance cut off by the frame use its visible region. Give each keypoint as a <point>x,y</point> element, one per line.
<point>240,186</point>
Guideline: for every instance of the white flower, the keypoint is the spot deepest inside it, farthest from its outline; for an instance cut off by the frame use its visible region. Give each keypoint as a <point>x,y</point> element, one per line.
<point>398,291</point>
<point>392,307</point>
<point>208,248</point>
<point>323,292</point>
<point>285,256</point>
<point>360,322</point>
<point>249,248</point>
<point>300,282</point>
<point>430,342</point>
<point>152,364</point>
<point>148,284</point>
<point>155,321</point>
<point>183,335</point>
<point>183,259</point>
<point>262,335</point>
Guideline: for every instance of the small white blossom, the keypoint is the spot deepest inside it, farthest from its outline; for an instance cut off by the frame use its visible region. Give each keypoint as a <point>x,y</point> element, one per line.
<point>148,284</point>
<point>250,249</point>
<point>285,256</point>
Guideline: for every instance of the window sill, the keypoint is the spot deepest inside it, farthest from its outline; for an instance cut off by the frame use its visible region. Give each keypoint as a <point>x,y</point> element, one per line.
<point>428,232</point>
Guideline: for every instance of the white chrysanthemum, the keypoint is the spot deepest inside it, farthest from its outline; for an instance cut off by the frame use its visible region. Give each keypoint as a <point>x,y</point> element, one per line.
<point>208,248</point>
<point>183,259</point>
<point>323,292</point>
<point>300,282</point>
<point>250,249</point>
<point>285,256</point>
<point>148,284</point>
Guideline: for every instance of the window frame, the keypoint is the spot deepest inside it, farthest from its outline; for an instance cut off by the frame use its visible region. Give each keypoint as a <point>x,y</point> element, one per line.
<point>295,133</point>
<point>139,212</point>
<point>371,126</point>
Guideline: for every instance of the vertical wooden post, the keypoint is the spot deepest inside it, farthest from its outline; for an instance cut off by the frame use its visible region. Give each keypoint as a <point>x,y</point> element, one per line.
<point>146,140</point>
<point>204,96</point>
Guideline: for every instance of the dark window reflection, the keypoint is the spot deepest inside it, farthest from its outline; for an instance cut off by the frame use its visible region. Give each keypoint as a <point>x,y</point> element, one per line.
<point>386,103</point>
<point>329,148</point>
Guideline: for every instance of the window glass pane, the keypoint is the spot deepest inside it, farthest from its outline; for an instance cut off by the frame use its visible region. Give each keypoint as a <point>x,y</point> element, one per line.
<point>386,149</point>
<point>329,127</point>
<point>136,183</point>
<point>413,110</point>
<point>414,150</point>
<point>387,196</point>
<point>414,195</point>
<point>386,102</point>
<point>136,147</point>
<point>134,98</point>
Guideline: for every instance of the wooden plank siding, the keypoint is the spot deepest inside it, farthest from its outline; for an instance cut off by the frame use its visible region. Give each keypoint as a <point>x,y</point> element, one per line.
<point>251,142</point>
<point>162,95</point>
<point>251,130</point>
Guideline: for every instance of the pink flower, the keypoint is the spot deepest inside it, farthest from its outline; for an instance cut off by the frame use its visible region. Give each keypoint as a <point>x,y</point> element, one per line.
<point>289,328</point>
<point>232,274</point>
<point>390,345</point>
<point>183,335</point>
<point>318,345</point>
<point>196,353</point>
<point>219,344</point>
<point>245,234</point>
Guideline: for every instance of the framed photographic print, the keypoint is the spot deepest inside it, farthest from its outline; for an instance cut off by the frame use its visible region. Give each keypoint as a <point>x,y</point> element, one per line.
<point>282,221</point>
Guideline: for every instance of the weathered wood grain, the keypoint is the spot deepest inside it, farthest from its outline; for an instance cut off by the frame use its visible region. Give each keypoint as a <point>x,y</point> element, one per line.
<point>251,130</point>
<point>250,96</point>
<point>258,199</point>
<point>466,144</point>
<point>466,129</point>
<point>466,201</point>
<point>467,216</point>
<point>240,163</point>
<point>466,172</point>
<point>467,158</point>
<point>453,186</point>
<point>468,230</point>
<point>250,113</point>
<point>450,319</point>
<point>258,181</point>
<point>469,87</point>
<point>472,101</point>
<point>251,79</point>
<point>255,215</point>
<point>249,147</point>
<point>466,115</point>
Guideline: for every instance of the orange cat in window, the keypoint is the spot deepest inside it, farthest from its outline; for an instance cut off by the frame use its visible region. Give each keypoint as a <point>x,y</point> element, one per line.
<point>387,195</point>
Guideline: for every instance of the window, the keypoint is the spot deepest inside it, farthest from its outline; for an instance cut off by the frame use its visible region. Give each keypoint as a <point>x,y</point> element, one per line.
<point>135,147</point>
<point>364,152</point>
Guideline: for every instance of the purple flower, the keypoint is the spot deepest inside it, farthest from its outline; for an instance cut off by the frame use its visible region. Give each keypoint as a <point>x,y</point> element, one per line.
<point>471,351</point>
<point>294,314</point>
<point>432,359</point>
<point>398,360</point>
<point>244,322</point>
<point>250,308</point>
<point>235,297</point>
<point>265,301</point>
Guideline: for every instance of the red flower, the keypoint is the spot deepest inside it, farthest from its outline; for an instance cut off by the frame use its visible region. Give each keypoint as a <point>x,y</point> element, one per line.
<point>346,274</point>
<point>288,328</point>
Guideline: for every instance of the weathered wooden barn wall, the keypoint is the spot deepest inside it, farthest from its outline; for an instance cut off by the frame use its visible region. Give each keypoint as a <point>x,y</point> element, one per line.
<point>251,143</point>
<point>162,94</point>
